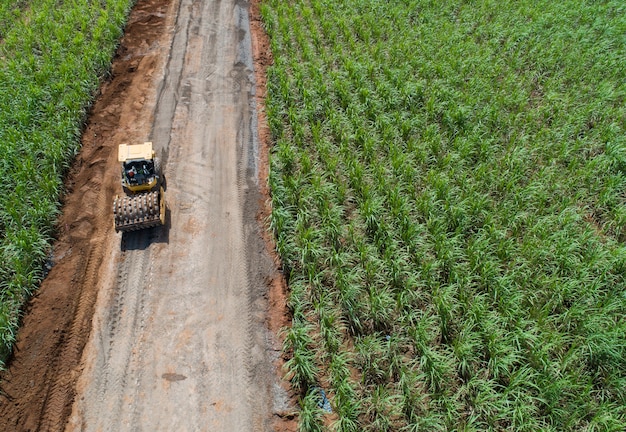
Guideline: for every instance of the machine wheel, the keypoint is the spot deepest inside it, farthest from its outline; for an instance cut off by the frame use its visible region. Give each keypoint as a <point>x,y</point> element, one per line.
<point>163,182</point>
<point>157,166</point>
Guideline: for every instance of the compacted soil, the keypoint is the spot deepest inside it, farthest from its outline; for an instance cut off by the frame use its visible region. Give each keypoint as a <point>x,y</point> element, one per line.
<point>172,328</point>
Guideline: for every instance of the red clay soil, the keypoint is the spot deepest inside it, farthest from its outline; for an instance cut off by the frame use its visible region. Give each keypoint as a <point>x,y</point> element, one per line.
<point>278,317</point>
<point>38,388</point>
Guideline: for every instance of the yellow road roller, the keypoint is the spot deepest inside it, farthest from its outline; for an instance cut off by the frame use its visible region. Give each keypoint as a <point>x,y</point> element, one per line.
<point>143,206</point>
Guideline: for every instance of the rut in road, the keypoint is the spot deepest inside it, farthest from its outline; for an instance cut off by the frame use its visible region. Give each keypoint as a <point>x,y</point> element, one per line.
<point>180,339</point>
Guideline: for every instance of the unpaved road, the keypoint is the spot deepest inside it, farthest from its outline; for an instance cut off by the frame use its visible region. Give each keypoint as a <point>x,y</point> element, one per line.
<point>167,329</point>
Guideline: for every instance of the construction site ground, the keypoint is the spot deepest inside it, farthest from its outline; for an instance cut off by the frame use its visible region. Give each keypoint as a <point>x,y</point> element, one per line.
<point>172,328</point>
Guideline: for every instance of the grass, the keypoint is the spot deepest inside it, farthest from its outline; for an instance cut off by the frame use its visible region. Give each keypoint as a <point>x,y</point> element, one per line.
<point>448,189</point>
<point>53,54</point>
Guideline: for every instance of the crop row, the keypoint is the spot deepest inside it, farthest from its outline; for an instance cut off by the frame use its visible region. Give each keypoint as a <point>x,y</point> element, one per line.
<point>448,201</point>
<point>53,54</point>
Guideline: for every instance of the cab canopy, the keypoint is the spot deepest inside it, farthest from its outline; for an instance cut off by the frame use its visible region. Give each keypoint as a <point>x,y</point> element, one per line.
<point>135,151</point>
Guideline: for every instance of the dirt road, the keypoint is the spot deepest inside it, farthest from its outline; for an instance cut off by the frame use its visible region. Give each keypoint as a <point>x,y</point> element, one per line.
<point>164,329</point>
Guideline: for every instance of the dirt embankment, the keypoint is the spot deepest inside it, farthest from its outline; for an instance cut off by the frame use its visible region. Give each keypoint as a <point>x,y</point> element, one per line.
<point>56,350</point>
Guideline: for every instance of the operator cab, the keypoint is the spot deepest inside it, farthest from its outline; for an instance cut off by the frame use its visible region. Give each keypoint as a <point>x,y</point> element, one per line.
<point>138,172</point>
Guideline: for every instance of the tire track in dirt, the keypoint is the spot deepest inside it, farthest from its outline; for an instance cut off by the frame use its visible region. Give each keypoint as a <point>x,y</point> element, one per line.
<point>247,183</point>
<point>131,323</point>
<point>167,87</point>
<point>60,397</point>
